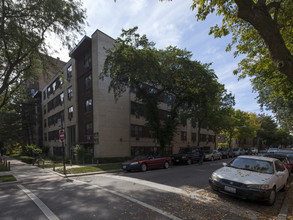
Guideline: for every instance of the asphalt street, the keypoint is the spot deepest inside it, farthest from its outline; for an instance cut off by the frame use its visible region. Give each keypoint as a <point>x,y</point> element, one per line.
<point>180,192</point>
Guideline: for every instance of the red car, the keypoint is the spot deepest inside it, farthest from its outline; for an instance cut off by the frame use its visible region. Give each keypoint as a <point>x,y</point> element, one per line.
<point>284,159</point>
<point>145,162</point>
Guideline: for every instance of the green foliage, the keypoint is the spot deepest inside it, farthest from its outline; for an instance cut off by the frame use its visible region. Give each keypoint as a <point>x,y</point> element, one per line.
<point>167,77</point>
<point>80,153</point>
<point>31,151</point>
<point>260,29</point>
<point>7,178</point>
<point>222,145</point>
<point>23,30</point>
<point>27,159</point>
<point>3,168</point>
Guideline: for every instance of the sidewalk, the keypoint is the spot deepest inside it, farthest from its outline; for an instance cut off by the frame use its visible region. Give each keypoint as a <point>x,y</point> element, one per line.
<point>26,172</point>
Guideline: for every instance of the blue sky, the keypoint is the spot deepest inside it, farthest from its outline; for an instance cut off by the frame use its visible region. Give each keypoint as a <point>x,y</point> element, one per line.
<point>172,23</point>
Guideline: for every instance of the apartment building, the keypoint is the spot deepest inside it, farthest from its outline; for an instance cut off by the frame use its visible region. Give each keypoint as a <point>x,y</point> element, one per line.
<point>77,100</point>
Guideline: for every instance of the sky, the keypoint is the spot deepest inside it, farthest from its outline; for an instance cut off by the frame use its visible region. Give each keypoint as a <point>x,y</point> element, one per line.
<point>172,23</point>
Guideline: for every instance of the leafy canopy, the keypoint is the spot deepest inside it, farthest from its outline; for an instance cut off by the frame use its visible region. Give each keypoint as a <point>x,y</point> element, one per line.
<point>167,78</point>
<point>24,28</point>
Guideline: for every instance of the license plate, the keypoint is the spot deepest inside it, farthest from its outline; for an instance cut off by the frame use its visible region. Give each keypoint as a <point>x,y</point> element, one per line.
<point>230,189</point>
<point>124,167</point>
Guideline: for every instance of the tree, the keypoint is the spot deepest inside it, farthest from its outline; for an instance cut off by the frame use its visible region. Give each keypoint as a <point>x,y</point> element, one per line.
<point>267,130</point>
<point>229,126</point>
<point>210,104</point>
<point>24,29</point>
<point>158,77</point>
<point>261,29</point>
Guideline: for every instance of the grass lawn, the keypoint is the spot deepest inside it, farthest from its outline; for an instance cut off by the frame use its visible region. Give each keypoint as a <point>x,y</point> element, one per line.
<point>3,168</point>
<point>7,178</point>
<point>50,165</point>
<point>89,169</point>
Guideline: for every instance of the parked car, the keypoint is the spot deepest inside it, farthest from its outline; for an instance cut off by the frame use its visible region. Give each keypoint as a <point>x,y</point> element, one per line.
<point>262,152</point>
<point>254,151</point>
<point>226,152</point>
<point>247,151</point>
<point>289,156</point>
<point>238,151</point>
<point>251,177</point>
<point>145,162</point>
<point>273,150</point>
<point>213,155</point>
<point>283,158</point>
<point>186,155</point>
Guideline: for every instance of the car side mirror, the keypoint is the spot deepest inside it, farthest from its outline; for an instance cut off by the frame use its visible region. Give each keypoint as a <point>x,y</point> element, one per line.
<point>224,164</point>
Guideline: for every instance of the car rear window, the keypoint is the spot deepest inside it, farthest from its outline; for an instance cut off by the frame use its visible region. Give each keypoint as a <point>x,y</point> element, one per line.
<point>260,166</point>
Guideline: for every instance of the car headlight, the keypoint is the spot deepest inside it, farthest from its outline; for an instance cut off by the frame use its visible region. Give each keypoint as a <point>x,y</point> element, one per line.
<point>134,163</point>
<point>258,186</point>
<point>184,157</point>
<point>215,177</point>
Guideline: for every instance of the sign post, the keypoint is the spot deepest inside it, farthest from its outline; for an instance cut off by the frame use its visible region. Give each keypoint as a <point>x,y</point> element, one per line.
<point>61,138</point>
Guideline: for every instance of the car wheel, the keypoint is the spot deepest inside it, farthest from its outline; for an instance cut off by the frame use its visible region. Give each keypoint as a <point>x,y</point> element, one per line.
<point>272,197</point>
<point>143,167</point>
<point>189,161</point>
<point>166,165</point>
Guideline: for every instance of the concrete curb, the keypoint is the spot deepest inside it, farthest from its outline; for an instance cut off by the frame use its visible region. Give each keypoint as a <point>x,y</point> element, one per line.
<point>86,174</point>
<point>285,206</point>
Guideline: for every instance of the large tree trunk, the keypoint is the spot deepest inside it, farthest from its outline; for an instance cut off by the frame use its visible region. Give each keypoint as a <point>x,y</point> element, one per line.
<point>257,14</point>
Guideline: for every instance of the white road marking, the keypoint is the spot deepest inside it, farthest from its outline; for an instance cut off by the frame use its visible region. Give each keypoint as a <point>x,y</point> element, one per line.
<point>50,215</point>
<point>132,200</point>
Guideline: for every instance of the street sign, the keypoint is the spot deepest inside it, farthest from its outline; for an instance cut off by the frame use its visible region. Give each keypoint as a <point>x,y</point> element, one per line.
<point>61,135</point>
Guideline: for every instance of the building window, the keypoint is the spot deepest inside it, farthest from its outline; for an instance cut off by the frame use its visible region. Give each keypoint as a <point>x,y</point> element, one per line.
<point>140,131</point>
<point>45,109</point>
<point>54,86</point>
<point>45,123</point>
<point>212,138</point>
<point>193,137</point>
<point>88,82</point>
<point>61,79</point>
<point>70,112</point>
<point>45,137</point>
<point>69,72</point>
<point>203,137</point>
<point>49,91</point>
<point>183,135</point>
<point>89,129</point>
<point>87,60</point>
<point>61,98</point>
<point>44,95</point>
<point>69,92</point>
<point>88,105</point>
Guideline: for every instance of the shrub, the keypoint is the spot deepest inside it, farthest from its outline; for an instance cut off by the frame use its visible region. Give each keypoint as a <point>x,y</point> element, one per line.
<point>32,151</point>
<point>79,152</point>
<point>112,159</point>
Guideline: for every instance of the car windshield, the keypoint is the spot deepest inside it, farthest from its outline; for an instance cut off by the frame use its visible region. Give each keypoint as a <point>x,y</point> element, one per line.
<point>260,166</point>
<point>142,157</point>
<point>235,149</point>
<point>184,150</point>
